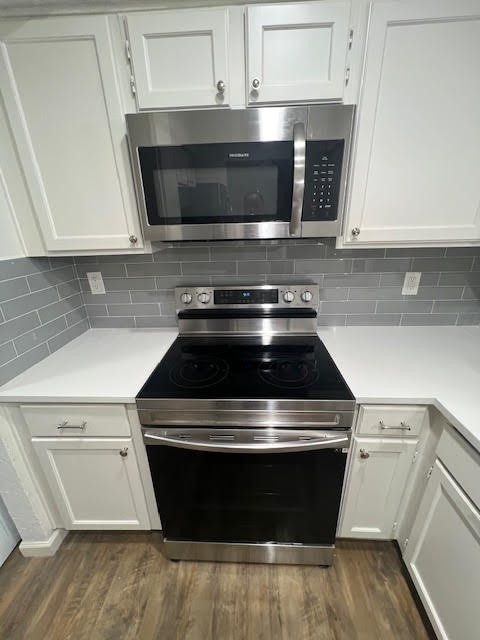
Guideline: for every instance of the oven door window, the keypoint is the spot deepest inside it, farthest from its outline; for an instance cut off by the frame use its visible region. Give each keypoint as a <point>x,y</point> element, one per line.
<point>248,498</point>
<point>218,183</point>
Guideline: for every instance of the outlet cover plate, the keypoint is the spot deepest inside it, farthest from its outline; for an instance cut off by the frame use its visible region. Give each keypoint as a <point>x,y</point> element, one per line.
<point>95,281</point>
<point>411,282</point>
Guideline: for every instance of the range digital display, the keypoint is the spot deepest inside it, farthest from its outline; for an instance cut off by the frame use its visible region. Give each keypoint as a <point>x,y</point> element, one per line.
<point>245,296</point>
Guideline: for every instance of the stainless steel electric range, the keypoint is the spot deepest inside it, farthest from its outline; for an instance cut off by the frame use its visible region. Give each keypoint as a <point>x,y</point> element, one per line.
<point>247,423</point>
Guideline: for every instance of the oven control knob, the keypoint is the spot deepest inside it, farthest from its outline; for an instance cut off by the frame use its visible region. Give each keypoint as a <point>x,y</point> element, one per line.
<point>288,296</point>
<point>307,296</point>
<point>186,298</point>
<point>203,297</point>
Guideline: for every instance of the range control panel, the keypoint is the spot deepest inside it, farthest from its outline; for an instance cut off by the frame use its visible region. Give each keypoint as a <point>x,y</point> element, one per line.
<point>304,296</point>
<point>323,171</point>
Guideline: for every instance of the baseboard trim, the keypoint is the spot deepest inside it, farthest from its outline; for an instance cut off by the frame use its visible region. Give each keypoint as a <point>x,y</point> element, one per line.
<point>43,548</point>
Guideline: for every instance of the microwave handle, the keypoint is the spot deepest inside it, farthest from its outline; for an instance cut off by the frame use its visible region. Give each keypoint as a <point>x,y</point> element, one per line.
<point>298,178</point>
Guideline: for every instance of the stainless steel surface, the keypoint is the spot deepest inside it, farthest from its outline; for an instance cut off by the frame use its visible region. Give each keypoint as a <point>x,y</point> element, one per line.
<point>268,553</point>
<point>247,326</point>
<point>221,86</point>
<point>314,414</point>
<point>364,454</point>
<point>240,125</point>
<point>133,239</point>
<point>124,452</point>
<point>402,427</point>
<point>255,83</point>
<point>64,425</point>
<point>355,231</point>
<point>247,440</point>
<point>295,228</point>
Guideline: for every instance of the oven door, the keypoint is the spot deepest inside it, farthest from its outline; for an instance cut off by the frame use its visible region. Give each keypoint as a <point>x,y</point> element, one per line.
<point>248,486</point>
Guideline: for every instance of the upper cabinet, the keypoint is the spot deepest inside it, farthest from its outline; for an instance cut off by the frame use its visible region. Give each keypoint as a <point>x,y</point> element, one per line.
<point>297,52</point>
<point>62,100</point>
<point>416,170</point>
<point>180,58</point>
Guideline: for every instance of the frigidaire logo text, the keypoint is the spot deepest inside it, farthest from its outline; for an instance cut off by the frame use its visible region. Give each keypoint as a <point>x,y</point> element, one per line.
<point>238,155</point>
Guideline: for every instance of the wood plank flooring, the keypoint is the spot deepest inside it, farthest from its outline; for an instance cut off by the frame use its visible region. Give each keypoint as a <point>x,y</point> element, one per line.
<point>118,586</point>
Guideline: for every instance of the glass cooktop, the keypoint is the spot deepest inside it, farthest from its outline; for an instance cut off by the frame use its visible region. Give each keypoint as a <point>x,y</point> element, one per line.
<point>297,367</point>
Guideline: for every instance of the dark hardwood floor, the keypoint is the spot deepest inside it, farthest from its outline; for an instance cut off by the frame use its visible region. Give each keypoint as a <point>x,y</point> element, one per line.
<point>118,586</point>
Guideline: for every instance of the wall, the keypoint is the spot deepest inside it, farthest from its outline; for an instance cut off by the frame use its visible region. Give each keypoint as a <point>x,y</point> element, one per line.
<point>358,287</point>
<point>41,309</point>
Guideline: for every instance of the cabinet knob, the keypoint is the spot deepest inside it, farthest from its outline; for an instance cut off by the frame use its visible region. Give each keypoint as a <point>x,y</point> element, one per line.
<point>133,239</point>
<point>355,232</point>
<point>255,83</point>
<point>364,454</point>
<point>221,86</point>
<point>124,452</point>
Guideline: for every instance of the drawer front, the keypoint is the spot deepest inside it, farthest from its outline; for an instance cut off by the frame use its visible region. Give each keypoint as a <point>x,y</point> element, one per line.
<point>462,461</point>
<point>389,420</point>
<point>76,420</point>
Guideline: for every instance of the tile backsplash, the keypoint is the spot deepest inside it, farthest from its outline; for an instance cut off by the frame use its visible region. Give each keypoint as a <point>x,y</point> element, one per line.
<point>46,302</point>
<point>41,309</point>
<point>357,287</point>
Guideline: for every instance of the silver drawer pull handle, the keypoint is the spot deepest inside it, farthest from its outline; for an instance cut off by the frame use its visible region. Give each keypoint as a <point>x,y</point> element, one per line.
<point>364,454</point>
<point>65,425</point>
<point>402,427</point>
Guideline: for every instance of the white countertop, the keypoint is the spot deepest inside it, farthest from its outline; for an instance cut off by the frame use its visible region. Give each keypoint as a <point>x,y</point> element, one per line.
<point>397,365</point>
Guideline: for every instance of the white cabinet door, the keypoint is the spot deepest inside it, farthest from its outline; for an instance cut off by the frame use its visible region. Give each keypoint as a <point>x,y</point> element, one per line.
<point>63,102</point>
<point>95,485</point>
<point>443,557</point>
<point>377,479</point>
<point>8,534</point>
<point>297,52</point>
<point>416,170</point>
<point>179,58</point>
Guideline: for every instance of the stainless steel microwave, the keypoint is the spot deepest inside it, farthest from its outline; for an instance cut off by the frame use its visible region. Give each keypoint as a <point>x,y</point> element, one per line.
<point>241,174</point>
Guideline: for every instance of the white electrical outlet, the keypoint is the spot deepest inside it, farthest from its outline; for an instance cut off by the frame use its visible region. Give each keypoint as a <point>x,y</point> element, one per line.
<point>95,281</point>
<point>410,283</point>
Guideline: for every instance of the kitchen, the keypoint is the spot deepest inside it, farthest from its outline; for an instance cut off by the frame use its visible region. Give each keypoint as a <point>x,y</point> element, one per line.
<point>240,319</point>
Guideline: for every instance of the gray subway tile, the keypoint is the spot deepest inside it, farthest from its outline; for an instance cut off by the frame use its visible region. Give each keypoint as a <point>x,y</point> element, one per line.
<point>60,308</point>
<point>50,278</point>
<point>381,265</point>
<point>68,335</point>
<point>323,266</point>
<point>458,278</point>
<point>7,353</point>
<point>331,320</point>
<point>126,258</point>
<point>22,267</point>
<point>468,318</point>
<point>14,328</point>
<point>373,293</point>
<point>404,306</point>
<point>217,281</point>
<point>133,309</point>
<point>442,264</point>
<point>39,335</point>
<point>150,322</point>
<point>167,309</point>
<point>333,293</point>
<point>114,270</point>
<point>471,293</point>
<point>75,316</point>
<point>457,306</point>
<point>217,268</point>
<point>114,323</point>
<point>24,304</point>
<point>439,293</point>
<point>476,264</point>
<point>22,363</point>
<point>128,284</point>
<point>463,251</point>
<point>332,252</point>
<point>184,254</point>
<point>111,297</point>
<point>166,296</point>
<point>392,279</point>
<point>381,319</point>
<point>67,289</point>
<point>241,253</point>
<point>296,252</point>
<point>61,261</point>
<point>168,282</point>
<point>412,319</point>
<point>13,288</point>
<point>352,280</point>
<point>87,259</point>
<point>96,310</point>
<point>276,267</point>
<point>348,306</point>
<point>410,252</point>
<point>153,269</point>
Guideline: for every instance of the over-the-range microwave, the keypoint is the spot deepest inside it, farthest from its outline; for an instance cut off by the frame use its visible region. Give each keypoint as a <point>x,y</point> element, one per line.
<point>265,172</point>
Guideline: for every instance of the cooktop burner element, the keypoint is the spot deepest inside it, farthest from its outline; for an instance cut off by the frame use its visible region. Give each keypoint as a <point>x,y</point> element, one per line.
<point>199,373</point>
<point>289,373</point>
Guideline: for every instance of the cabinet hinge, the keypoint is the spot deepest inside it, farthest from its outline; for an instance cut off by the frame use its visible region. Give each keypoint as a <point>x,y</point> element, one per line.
<point>350,39</point>
<point>132,84</point>
<point>415,455</point>
<point>394,526</point>
<point>127,50</point>
<point>405,544</point>
<point>430,471</point>
<point>347,76</point>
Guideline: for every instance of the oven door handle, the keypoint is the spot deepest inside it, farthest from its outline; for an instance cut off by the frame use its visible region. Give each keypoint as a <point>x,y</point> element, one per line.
<point>265,445</point>
<point>299,144</point>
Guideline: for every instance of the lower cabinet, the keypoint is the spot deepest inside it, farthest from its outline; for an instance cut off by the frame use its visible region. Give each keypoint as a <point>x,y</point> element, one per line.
<point>443,557</point>
<point>95,482</point>
<point>379,471</point>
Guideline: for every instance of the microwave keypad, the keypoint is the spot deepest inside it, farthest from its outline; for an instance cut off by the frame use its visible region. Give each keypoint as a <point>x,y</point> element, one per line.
<point>322,180</point>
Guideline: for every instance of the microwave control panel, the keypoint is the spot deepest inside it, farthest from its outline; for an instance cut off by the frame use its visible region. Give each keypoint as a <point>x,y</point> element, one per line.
<point>323,171</point>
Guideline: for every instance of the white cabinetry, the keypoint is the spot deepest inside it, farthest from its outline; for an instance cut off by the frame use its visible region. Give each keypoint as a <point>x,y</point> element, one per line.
<point>62,100</point>
<point>378,475</point>
<point>297,52</point>
<point>95,482</point>
<point>415,176</point>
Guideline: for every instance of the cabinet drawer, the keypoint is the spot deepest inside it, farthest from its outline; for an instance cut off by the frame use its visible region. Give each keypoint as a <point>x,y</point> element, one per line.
<point>387,420</point>
<point>462,461</point>
<point>87,420</point>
